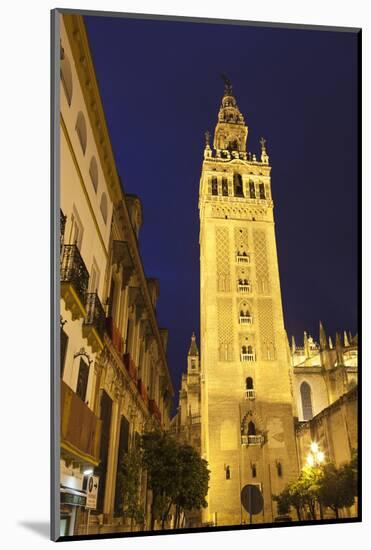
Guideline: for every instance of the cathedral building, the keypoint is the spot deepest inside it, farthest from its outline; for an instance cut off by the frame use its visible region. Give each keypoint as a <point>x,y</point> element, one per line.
<point>247,428</point>
<point>259,403</point>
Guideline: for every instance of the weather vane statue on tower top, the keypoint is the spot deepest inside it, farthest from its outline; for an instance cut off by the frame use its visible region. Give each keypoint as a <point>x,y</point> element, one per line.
<point>228,85</point>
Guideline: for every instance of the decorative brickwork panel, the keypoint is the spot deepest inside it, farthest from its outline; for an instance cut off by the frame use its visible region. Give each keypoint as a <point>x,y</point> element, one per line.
<point>223,273</point>
<point>261,262</point>
<point>266,328</point>
<point>241,240</point>
<point>225,329</point>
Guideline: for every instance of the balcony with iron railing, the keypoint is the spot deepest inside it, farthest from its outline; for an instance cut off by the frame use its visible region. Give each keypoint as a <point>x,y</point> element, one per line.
<point>252,439</point>
<point>63,219</point>
<point>248,357</point>
<point>245,319</point>
<point>243,258</point>
<point>250,394</point>
<point>244,288</point>
<point>94,325</point>
<point>80,427</point>
<point>74,280</point>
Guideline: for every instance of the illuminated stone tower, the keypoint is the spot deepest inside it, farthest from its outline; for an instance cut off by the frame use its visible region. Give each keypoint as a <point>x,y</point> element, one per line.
<point>247,416</point>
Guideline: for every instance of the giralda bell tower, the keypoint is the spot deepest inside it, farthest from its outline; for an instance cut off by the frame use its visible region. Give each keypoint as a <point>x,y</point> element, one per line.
<point>247,414</point>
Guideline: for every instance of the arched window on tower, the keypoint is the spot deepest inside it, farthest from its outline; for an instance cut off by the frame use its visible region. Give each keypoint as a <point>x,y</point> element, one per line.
<point>233,143</point>
<point>225,187</point>
<point>81,131</point>
<point>250,392</point>
<point>251,430</point>
<point>252,189</point>
<point>261,190</point>
<point>306,401</point>
<point>237,185</point>
<point>214,186</point>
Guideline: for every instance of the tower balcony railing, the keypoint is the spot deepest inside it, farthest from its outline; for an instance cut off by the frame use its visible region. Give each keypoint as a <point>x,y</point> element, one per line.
<point>252,439</point>
<point>95,316</point>
<point>243,258</point>
<point>245,319</point>
<point>248,357</point>
<point>250,394</point>
<point>74,275</point>
<point>245,288</point>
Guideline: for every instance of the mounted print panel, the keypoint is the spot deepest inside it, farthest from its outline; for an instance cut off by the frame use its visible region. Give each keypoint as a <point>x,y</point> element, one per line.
<point>205,334</point>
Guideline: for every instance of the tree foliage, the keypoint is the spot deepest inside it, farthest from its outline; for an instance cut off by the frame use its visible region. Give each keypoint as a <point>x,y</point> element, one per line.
<point>128,485</point>
<point>176,474</point>
<point>320,487</point>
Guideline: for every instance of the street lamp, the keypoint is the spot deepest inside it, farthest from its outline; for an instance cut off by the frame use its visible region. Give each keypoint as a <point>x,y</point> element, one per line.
<point>315,457</point>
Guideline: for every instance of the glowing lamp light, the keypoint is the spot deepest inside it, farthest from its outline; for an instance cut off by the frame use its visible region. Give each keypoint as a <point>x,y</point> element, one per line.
<point>320,456</point>
<point>88,472</point>
<point>310,460</point>
<point>314,447</point>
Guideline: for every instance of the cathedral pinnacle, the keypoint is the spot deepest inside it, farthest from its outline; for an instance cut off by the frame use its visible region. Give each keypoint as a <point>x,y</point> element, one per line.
<point>193,350</point>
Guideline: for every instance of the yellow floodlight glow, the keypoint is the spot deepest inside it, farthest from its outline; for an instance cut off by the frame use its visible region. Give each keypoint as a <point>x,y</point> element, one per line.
<point>314,447</point>
<point>320,456</point>
<point>310,459</point>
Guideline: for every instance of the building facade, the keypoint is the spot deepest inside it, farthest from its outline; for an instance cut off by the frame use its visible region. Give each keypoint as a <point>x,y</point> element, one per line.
<point>248,432</point>
<point>115,381</point>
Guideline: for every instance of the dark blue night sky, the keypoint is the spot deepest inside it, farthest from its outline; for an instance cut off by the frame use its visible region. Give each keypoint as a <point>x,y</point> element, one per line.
<point>161,90</point>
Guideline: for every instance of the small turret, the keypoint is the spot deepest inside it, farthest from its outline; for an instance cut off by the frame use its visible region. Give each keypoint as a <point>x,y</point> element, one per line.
<point>322,337</point>
<point>346,341</point>
<point>193,350</point>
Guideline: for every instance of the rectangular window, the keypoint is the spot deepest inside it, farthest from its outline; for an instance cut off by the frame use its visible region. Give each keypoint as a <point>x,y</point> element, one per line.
<point>82,379</point>
<point>64,344</point>
<point>214,186</point>
<point>252,189</point>
<point>77,229</point>
<point>224,187</point>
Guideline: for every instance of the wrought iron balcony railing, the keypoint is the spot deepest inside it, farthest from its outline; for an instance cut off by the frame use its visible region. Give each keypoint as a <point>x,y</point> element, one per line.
<point>95,316</point>
<point>73,270</point>
<point>250,394</point>
<point>247,356</point>
<point>245,287</point>
<point>63,219</point>
<point>245,320</point>
<point>243,259</point>
<point>252,439</point>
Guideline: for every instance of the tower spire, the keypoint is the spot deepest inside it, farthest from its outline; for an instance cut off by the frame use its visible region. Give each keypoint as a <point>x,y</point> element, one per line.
<point>231,131</point>
<point>193,350</point>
